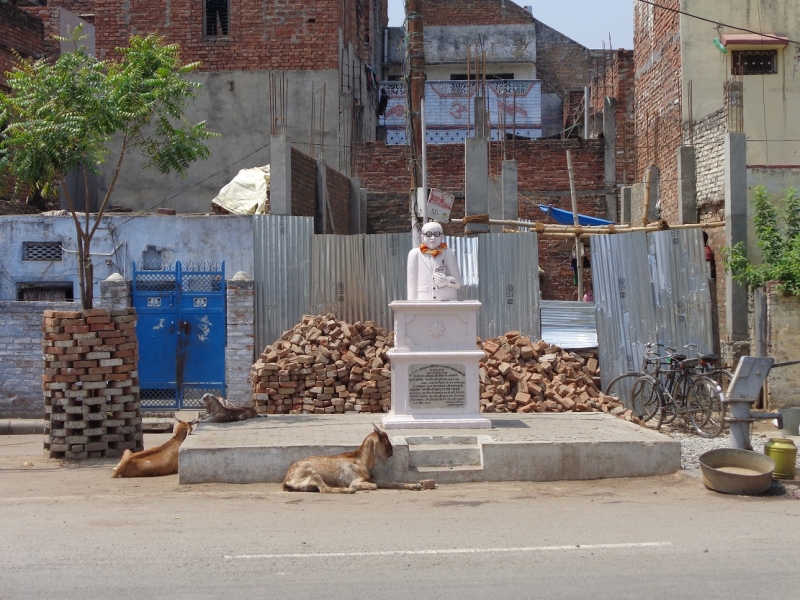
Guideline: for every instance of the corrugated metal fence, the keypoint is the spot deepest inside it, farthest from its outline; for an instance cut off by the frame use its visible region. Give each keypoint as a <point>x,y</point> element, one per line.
<point>649,288</point>
<point>355,277</point>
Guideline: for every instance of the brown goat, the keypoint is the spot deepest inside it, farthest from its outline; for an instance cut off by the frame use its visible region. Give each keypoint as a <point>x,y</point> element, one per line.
<point>344,473</point>
<point>219,411</point>
<point>155,462</point>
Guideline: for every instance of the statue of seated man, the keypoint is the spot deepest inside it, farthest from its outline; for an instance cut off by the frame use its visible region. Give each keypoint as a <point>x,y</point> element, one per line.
<point>432,270</point>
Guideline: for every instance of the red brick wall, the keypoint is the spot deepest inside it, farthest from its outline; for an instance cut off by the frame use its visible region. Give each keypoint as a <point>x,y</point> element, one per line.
<point>473,12</point>
<point>339,198</point>
<point>21,32</point>
<point>304,185</point>
<point>543,179</point>
<point>280,35</point>
<point>563,63</point>
<point>617,81</point>
<point>658,98</point>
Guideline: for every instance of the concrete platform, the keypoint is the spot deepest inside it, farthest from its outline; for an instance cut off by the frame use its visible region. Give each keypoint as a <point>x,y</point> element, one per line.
<point>541,447</point>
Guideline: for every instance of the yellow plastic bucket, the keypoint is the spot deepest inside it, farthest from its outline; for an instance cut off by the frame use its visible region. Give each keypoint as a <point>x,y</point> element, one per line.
<point>784,453</point>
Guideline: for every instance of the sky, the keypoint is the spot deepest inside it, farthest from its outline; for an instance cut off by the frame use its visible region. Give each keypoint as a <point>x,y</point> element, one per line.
<point>588,22</point>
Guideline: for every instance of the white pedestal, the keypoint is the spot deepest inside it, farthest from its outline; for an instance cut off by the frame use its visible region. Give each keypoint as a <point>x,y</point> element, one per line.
<point>435,365</point>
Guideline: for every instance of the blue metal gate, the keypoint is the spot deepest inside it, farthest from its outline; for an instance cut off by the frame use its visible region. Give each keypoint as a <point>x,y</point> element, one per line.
<point>181,330</point>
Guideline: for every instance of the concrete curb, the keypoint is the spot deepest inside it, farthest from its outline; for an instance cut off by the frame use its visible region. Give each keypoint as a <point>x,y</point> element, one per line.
<point>21,426</point>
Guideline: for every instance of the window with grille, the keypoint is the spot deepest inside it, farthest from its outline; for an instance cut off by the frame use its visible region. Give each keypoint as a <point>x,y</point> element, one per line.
<point>216,18</point>
<point>754,62</point>
<point>41,251</point>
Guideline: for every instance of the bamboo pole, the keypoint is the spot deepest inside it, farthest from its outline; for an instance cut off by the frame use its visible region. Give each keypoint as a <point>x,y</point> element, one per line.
<point>576,221</point>
<point>589,230</point>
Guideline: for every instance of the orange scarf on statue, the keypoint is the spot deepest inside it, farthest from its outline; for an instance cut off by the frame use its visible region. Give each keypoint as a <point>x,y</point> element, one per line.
<point>435,252</point>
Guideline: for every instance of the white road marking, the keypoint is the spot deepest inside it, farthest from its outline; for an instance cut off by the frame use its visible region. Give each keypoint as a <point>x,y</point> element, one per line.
<point>448,551</point>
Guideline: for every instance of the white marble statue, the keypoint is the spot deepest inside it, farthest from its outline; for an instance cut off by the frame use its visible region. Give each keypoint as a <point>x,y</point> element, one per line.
<point>432,270</point>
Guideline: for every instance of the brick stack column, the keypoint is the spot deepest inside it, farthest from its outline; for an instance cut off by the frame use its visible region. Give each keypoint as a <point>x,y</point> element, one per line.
<point>90,383</point>
<point>241,338</point>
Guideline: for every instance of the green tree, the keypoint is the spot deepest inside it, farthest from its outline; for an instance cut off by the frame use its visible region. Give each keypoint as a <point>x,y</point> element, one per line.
<point>61,116</point>
<point>778,237</point>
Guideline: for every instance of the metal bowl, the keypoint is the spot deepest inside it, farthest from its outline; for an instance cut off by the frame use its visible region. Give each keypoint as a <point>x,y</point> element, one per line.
<point>734,471</point>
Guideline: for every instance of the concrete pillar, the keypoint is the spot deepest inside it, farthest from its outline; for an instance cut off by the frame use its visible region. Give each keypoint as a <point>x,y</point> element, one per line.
<point>356,207</point>
<point>323,220</point>
<point>480,117</point>
<point>240,346</point>
<point>115,293</point>
<point>736,305</point>
<point>625,195</point>
<point>610,156</point>
<point>687,185</point>
<point>280,173</point>
<point>510,190</point>
<point>362,202</point>
<point>476,197</point>
<point>652,194</point>
<point>495,203</point>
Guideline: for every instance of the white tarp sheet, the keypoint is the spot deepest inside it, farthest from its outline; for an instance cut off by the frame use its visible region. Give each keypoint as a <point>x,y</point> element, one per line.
<point>247,193</point>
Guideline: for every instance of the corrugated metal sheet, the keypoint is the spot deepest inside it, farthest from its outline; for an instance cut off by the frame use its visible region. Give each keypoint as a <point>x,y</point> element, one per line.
<point>623,301</point>
<point>508,265</point>
<point>337,276</point>
<point>649,288</point>
<point>385,258</point>
<point>282,263</point>
<point>679,276</point>
<point>466,251</point>
<point>569,324</point>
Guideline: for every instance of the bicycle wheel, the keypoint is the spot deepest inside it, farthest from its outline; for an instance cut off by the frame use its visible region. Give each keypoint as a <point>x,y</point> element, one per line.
<point>678,390</point>
<point>621,386</point>
<point>648,401</point>
<point>705,407</point>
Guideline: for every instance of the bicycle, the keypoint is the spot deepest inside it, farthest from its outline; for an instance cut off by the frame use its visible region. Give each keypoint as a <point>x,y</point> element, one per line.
<point>621,386</point>
<point>706,404</point>
<point>680,391</point>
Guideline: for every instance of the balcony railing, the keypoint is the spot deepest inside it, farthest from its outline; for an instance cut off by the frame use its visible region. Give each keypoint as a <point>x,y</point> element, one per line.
<point>514,108</point>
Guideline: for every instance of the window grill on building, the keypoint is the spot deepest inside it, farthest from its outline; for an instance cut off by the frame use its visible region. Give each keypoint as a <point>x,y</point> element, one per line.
<point>47,251</point>
<point>754,62</point>
<point>216,18</point>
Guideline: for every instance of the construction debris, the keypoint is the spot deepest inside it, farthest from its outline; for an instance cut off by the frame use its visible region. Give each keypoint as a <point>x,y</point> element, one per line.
<point>326,366</point>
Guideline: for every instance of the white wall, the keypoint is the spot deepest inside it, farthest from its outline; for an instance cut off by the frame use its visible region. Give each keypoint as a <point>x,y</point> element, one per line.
<point>119,240</point>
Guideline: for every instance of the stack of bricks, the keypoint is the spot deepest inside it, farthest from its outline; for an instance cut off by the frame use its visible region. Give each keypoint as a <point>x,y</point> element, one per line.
<point>325,366</point>
<point>90,383</point>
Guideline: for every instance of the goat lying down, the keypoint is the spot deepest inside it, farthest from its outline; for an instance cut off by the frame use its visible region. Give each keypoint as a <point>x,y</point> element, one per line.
<point>155,462</point>
<point>219,411</point>
<point>344,473</point>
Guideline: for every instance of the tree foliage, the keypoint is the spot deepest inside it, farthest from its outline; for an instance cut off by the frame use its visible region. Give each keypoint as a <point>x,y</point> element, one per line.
<point>62,116</point>
<point>778,237</point>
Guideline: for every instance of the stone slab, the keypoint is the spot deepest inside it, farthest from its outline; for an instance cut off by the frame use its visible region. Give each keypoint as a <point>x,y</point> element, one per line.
<point>542,447</point>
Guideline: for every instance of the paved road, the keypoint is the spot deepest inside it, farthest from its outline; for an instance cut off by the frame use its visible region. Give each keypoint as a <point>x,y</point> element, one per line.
<point>70,531</point>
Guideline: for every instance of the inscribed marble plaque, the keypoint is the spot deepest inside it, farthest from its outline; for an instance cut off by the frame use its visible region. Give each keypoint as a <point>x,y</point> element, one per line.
<point>437,386</point>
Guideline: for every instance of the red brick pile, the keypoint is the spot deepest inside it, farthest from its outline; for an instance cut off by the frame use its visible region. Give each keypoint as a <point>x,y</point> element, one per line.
<point>519,375</point>
<point>324,366</point>
<point>90,383</point>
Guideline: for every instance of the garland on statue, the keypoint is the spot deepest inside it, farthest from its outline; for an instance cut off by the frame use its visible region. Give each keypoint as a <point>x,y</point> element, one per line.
<point>433,251</point>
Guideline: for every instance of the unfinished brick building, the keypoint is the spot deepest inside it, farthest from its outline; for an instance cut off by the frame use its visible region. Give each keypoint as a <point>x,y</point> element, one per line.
<point>303,70</point>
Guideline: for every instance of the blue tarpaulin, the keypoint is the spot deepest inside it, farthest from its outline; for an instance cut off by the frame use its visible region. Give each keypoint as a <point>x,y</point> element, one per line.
<point>565,217</point>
